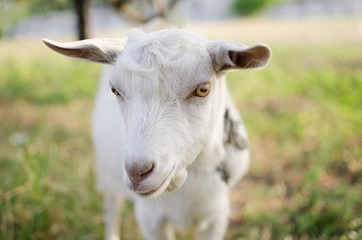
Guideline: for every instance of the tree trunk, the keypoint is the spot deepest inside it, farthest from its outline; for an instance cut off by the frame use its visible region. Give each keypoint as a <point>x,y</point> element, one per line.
<point>81,7</point>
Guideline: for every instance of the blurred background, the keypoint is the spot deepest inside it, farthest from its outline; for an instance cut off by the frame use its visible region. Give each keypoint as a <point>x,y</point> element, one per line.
<point>303,113</point>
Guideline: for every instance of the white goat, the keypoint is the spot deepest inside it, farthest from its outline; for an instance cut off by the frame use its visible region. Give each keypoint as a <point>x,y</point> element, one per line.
<point>171,138</point>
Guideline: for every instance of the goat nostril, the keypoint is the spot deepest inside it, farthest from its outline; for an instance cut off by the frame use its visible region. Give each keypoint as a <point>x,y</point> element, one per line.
<point>147,171</point>
<point>138,173</point>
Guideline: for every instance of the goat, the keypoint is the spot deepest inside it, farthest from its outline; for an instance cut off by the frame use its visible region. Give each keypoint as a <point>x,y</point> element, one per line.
<point>165,129</point>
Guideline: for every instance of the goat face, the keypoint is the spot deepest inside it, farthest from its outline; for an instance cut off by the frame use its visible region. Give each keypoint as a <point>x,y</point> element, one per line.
<point>167,92</point>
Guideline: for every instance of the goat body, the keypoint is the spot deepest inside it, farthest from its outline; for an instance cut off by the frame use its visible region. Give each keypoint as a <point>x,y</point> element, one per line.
<point>171,139</point>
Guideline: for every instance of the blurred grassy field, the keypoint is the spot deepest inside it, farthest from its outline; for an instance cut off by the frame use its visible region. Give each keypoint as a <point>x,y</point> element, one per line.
<point>303,114</point>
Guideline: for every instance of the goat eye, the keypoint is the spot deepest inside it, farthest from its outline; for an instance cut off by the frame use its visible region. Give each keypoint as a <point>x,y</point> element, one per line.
<point>202,90</point>
<point>115,92</point>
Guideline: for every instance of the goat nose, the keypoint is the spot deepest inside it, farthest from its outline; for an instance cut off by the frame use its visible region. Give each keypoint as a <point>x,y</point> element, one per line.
<point>139,172</point>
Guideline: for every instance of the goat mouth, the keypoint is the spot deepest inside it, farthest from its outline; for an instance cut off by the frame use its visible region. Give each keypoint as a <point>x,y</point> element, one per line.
<point>149,193</point>
<point>145,194</point>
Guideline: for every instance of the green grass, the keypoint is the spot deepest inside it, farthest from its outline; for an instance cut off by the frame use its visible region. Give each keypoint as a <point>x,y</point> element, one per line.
<point>304,118</point>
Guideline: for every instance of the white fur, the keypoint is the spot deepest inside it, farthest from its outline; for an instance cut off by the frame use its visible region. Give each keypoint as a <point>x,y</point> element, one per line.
<point>155,120</point>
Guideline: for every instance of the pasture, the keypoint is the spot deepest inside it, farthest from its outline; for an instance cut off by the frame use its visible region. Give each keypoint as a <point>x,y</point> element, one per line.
<point>303,114</point>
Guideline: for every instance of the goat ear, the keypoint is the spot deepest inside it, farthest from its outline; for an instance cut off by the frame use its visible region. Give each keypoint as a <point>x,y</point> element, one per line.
<point>231,55</point>
<point>103,50</point>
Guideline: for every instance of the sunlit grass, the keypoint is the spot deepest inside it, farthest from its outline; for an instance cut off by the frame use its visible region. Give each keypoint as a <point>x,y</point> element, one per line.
<point>303,115</point>
<point>36,77</point>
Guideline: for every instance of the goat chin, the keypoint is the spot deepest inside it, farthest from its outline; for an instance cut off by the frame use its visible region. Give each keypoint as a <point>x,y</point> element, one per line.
<point>177,180</point>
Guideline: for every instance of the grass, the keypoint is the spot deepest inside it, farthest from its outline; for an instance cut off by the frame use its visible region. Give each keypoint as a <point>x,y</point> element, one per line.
<point>304,118</point>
